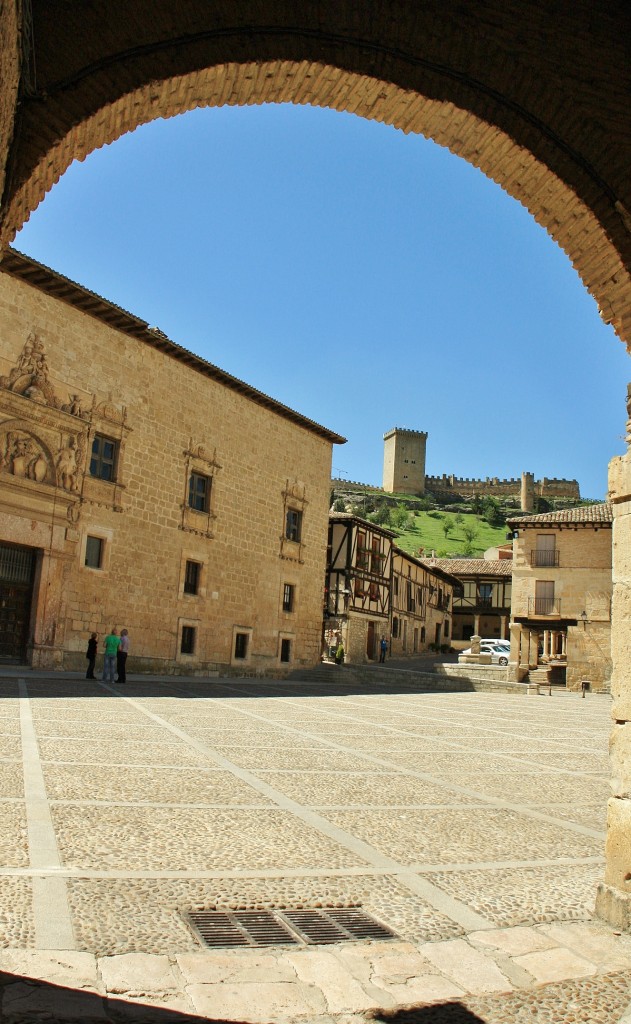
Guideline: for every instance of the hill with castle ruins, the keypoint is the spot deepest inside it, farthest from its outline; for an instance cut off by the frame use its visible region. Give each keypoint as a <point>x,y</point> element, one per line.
<point>404,474</point>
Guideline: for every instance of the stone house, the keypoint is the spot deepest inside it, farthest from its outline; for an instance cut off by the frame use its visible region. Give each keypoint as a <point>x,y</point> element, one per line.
<point>422,599</point>
<point>141,486</point>
<point>561,602</point>
<point>482,598</point>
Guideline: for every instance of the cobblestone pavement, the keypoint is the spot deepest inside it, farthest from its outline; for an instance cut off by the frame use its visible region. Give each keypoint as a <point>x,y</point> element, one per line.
<point>472,824</point>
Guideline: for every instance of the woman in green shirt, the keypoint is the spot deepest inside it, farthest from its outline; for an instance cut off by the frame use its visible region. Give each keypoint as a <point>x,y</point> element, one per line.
<point>111,643</point>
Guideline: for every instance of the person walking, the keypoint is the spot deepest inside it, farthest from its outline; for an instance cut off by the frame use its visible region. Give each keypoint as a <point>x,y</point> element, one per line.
<point>111,642</point>
<point>383,648</point>
<point>90,654</point>
<point>121,656</point>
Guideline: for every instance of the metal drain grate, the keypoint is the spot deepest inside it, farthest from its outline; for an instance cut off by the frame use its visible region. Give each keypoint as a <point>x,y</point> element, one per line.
<point>220,929</point>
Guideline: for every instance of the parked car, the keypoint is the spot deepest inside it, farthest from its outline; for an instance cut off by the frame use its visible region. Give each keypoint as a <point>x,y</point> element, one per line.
<point>499,652</point>
<point>495,641</point>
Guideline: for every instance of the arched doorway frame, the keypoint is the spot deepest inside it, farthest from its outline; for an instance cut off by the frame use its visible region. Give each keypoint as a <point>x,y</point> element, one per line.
<point>556,174</point>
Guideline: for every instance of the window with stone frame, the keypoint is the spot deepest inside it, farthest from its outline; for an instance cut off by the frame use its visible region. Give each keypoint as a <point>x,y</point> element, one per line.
<point>199,488</point>
<point>94,547</point>
<point>104,458</point>
<point>241,643</point>
<point>192,574</point>
<point>187,642</point>
<point>293,525</point>
<point>288,597</point>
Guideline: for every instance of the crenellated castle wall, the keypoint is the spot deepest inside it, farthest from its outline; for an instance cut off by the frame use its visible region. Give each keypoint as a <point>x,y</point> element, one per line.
<point>499,488</point>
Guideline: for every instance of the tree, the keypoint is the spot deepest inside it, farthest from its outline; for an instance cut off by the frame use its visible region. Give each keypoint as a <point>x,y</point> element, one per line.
<point>447,526</point>
<point>381,515</point>
<point>339,505</point>
<point>492,512</point>
<point>459,518</point>
<point>400,517</point>
<point>470,533</point>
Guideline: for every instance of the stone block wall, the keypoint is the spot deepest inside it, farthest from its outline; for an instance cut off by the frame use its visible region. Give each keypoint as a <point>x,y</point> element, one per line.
<point>170,419</point>
<point>614,894</point>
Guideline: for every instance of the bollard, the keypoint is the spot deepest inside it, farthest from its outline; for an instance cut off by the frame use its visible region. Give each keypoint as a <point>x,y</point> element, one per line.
<point>585,685</point>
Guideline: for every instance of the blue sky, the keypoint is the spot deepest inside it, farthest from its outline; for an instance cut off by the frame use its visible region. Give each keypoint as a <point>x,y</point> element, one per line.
<point>366,278</point>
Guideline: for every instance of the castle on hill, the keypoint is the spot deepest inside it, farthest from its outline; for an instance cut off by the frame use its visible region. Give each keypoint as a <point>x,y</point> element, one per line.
<point>404,473</point>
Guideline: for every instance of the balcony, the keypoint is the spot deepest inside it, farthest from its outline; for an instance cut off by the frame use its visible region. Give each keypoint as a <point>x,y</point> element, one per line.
<point>547,559</point>
<point>544,606</point>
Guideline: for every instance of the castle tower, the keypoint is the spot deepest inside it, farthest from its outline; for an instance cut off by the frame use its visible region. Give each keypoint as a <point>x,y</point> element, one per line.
<point>404,461</point>
<point>527,495</point>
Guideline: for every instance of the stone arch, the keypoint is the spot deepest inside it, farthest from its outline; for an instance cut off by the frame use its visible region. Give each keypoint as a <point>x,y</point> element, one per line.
<point>479,82</point>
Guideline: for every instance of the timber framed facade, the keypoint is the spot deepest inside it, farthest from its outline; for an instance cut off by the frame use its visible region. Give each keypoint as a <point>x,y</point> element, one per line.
<point>358,586</point>
<point>422,598</point>
<point>482,598</point>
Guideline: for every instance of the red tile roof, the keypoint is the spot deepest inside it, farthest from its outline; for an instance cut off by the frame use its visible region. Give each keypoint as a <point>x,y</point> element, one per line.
<point>589,515</point>
<point>473,566</point>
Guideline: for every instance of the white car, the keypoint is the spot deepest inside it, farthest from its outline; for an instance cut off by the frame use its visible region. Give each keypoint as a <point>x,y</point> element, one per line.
<point>499,652</point>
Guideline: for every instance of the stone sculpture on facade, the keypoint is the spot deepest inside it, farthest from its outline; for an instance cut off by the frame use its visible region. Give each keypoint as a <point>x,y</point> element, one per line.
<point>69,463</point>
<point>23,456</point>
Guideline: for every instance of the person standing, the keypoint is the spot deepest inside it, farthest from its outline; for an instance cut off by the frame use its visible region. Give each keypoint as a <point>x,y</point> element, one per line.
<point>111,642</point>
<point>383,648</point>
<point>90,654</point>
<point>121,656</point>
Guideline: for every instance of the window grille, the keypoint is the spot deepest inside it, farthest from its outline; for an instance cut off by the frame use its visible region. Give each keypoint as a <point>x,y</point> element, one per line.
<point>16,564</point>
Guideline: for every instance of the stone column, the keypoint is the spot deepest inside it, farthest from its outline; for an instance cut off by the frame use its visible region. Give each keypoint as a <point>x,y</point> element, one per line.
<point>503,624</point>
<point>476,625</point>
<point>613,901</point>
<point>564,645</point>
<point>546,645</point>
<point>533,649</point>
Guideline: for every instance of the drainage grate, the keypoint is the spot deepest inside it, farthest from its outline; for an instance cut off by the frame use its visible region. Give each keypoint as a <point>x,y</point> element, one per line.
<point>221,929</point>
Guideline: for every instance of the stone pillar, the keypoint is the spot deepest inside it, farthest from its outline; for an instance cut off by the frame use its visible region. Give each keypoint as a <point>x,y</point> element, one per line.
<point>503,625</point>
<point>613,901</point>
<point>476,625</point>
<point>533,649</point>
<point>564,645</point>
<point>546,645</point>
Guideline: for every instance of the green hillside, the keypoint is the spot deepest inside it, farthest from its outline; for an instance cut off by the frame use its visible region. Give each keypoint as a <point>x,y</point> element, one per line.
<point>425,530</point>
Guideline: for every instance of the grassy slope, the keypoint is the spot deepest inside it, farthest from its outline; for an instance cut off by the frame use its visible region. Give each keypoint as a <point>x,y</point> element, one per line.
<point>426,531</point>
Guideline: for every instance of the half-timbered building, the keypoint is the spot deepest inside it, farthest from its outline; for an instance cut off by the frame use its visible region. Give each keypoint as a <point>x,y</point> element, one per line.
<point>358,583</point>
<point>422,598</point>
<point>482,600</point>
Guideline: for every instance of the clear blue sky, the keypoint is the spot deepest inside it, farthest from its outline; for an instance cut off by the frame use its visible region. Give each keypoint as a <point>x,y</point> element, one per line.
<point>366,278</point>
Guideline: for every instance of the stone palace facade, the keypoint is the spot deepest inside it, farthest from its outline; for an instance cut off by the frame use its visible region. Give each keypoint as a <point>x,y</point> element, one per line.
<point>143,487</point>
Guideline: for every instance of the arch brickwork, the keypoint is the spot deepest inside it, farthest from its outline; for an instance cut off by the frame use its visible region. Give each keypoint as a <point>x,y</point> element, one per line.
<point>533,92</point>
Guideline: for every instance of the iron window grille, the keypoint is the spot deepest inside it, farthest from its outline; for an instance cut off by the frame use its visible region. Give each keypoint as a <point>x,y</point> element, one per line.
<point>288,597</point>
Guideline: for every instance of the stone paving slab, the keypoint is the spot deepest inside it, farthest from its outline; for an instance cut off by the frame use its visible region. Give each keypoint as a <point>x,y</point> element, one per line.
<point>147,838</point>
<point>139,806</point>
<point>205,785</point>
<point>461,834</point>
<point>361,980</point>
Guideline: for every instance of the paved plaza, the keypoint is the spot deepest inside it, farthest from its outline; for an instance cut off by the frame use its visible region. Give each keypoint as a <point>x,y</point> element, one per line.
<point>472,824</point>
